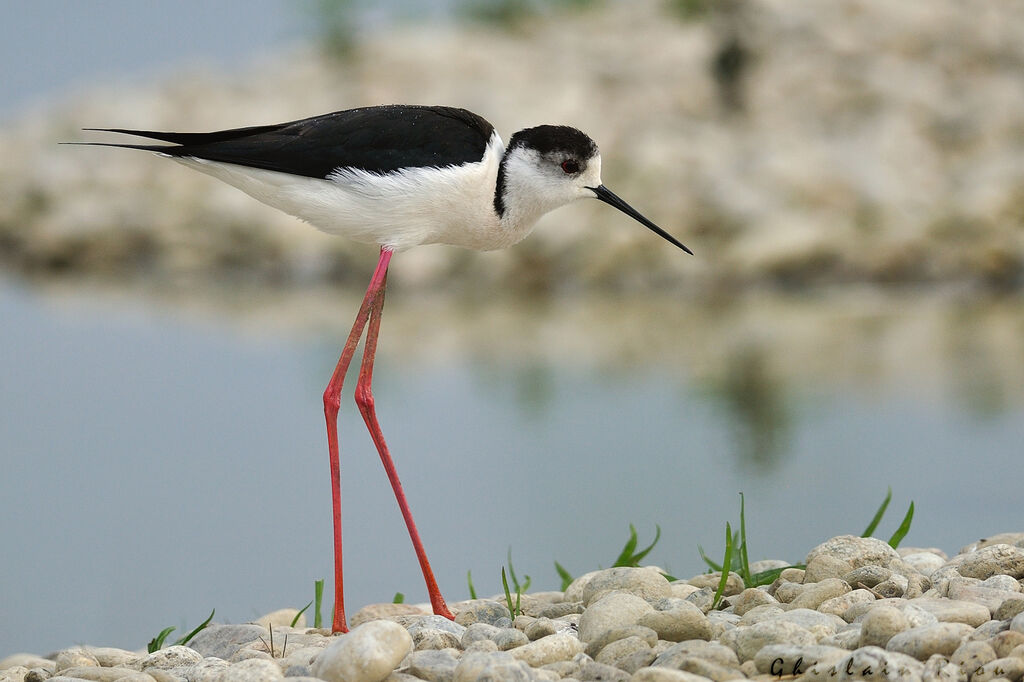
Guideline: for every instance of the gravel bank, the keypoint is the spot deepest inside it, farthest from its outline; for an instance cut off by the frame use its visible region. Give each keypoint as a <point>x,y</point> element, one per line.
<point>859,610</point>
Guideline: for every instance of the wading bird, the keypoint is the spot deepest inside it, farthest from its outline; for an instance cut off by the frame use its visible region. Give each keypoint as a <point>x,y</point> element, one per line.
<point>397,176</point>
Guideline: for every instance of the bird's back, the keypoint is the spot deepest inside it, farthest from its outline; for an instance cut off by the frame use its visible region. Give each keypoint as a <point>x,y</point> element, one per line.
<point>395,175</point>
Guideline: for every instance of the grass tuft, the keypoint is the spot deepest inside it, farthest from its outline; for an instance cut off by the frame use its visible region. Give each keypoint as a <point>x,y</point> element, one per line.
<point>318,599</point>
<point>878,515</point>
<point>513,610</point>
<point>564,575</point>
<point>727,561</point>
<point>301,611</point>
<point>904,528</point>
<point>629,556</point>
<point>525,585</point>
<point>157,642</point>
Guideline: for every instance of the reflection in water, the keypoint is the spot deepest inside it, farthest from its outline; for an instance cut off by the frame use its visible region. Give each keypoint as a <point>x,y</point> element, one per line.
<point>755,401</point>
<point>977,375</point>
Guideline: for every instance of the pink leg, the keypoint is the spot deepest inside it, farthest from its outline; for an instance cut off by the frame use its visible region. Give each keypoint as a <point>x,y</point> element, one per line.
<point>332,403</point>
<point>364,398</point>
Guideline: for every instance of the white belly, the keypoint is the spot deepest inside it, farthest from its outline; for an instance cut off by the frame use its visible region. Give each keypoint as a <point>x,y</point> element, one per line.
<point>452,205</point>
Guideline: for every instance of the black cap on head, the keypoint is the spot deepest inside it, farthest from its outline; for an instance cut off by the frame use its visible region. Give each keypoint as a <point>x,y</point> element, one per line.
<point>548,139</point>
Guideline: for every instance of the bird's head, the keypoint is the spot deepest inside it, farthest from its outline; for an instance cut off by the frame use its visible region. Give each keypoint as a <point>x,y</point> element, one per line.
<point>550,166</point>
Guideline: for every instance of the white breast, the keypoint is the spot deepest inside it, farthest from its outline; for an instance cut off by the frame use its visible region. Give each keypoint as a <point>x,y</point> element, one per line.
<point>452,205</point>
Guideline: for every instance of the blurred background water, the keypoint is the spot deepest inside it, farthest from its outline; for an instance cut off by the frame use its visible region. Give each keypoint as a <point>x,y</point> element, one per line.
<point>852,319</point>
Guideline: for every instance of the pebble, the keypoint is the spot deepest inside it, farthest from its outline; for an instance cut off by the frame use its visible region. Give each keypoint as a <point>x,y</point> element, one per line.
<point>252,670</point>
<point>482,611</point>
<point>733,583</point>
<point>970,656</point>
<point>965,589</point>
<point>595,646</point>
<point>708,651</point>
<point>786,659</point>
<point>207,670</point>
<point>503,638</point>
<point>750,598</point>
<point>665,675</point>
<point>367,653</point>
<point>99,674</point>
<point>838,606</point>
<point>433,639</point>
<point>818,624</point>
<point>646,583</point>
<point>747,641</point>
<point>176,656</point>
<point>76,657</point>
<point>814,594</point>
<point>611,611</point>
<point>1010,668</point>
<point>1005,642</point>
<point>592,671</point>
<point>557,647</point>
<point>621,650</point>
<point>861,608</point>
<point>283,617</point>
<point>923,642</point>
<point>499,665</point>
<point>847,638</point>
<point>856,551</point>
<point>999,559</point>
<point>111,657</point>
<point>222,641</point>
<point>432,665</point>
<point>954,610</point>
<point>880,624</point>
<point>924,563</point>
<point>825,566</point>
<point>680,622</point>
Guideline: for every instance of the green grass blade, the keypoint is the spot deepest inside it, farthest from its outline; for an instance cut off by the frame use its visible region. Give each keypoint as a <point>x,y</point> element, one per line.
<point>318,598</point>
<point>644,552</point>
<point>769,576</point>
<point>512,572</point>
<point>469,581</point>
<point>564,575</point>
<point>157,642</point>
<point>302,611</point>
<point>708,560</point>
<point>878,515</point>
<point>627,551</point>
<point>189,636</point>
<point>399,598</point>
<point>744,562</point>
<point>508,595</point>
<point>904,528</point>
<point>727,561</point>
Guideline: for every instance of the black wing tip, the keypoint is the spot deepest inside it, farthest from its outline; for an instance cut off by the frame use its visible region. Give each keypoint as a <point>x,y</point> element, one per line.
<point>158,148</point>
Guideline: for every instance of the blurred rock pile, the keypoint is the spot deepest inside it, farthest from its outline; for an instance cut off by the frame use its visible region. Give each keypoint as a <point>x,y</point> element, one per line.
<point>789,144</point>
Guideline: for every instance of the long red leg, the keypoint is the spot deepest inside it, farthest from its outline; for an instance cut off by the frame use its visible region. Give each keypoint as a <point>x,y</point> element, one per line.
<point>364,398</point>
<point>332,403</point>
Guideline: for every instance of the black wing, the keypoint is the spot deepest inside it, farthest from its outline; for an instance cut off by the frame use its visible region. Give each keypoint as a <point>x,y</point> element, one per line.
<point>378,139</point>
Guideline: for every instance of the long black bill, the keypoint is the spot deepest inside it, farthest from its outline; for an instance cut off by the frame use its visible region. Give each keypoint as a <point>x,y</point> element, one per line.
<point>610,198</point>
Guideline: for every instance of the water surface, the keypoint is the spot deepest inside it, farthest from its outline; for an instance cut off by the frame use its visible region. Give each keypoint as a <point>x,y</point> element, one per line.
<point>158,462</point>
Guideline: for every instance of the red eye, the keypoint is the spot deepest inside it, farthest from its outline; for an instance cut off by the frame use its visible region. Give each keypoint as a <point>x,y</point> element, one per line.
<point>570,166</point>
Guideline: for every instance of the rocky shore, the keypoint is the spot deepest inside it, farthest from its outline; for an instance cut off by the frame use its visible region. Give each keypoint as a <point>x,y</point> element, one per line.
<point>859,610</point>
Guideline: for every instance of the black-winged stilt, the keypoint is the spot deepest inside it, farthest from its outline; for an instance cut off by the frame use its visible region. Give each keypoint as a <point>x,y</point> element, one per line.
<point>397,176</point>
